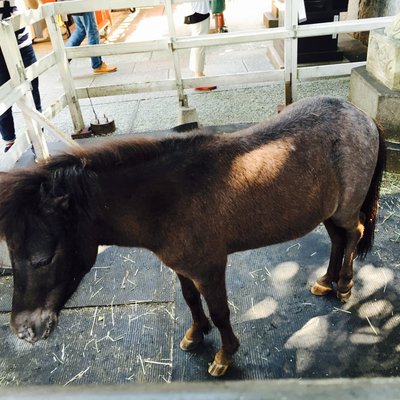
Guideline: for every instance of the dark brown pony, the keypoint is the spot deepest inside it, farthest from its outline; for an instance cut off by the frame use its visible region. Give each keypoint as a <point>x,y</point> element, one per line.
<point>192,200</point>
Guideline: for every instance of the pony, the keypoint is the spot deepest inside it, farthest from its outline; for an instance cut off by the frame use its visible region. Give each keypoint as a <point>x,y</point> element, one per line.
<point>192,199</point>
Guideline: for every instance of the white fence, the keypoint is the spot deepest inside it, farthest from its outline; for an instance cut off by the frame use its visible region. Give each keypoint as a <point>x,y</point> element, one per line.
<point>18,89</point>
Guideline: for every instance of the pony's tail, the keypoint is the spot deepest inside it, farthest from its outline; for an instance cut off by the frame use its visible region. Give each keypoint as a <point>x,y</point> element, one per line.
<point>370,205</point>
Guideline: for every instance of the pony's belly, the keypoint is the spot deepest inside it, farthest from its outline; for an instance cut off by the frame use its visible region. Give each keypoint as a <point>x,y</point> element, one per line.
<point>262,238</point>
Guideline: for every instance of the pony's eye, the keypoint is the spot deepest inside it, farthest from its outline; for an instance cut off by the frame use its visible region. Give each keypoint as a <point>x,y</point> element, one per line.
<point>39,261</point>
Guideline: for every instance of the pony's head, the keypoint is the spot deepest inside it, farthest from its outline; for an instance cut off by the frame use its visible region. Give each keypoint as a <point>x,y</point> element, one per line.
<point>46,218</point>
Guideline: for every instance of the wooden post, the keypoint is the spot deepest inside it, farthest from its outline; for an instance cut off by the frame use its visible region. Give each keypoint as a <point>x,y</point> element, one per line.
<point>291,22</point>
<point>18,77</point>
<point>66,77</point>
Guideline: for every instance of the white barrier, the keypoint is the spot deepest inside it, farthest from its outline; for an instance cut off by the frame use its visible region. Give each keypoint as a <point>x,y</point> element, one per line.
<point>17,90</point>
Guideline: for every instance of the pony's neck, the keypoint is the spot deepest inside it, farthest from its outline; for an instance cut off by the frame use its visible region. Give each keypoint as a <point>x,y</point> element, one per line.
<point>124,217</point>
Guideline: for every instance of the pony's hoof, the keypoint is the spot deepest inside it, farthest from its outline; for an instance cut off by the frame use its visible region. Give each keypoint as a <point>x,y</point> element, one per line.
<point>217,370</point>
<point>321,290</point>
<point>343,296</point>
<point>187,344</point>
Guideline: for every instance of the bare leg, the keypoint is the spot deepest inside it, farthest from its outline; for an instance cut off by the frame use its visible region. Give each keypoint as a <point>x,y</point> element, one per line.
<point>323,285</point>
<point>214,291</point>
<point>345,282</point>
<point>200,323</point>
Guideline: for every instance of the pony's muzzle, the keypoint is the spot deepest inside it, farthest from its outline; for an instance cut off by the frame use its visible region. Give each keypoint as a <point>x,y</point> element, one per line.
<point>32,326</point>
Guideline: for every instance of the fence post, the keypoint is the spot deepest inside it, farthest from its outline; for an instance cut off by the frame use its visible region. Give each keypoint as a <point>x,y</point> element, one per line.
<point>291,23</point>
<point>186,114</point>
<point>65,73</point>
<point>16,69</point>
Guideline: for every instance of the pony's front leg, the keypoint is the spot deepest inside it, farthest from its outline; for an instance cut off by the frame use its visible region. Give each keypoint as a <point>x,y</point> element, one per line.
<point>213,289</point>
<point>200,323</point>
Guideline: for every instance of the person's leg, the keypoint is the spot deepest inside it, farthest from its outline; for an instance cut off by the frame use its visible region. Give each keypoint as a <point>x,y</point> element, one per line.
<point>92,32</point>
<point>78,34</point>
<point>7,129</point>
<point>197,54</point>
<point>28,58</point>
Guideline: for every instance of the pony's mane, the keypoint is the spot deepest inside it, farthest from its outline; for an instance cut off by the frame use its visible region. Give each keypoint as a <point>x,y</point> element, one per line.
<point>117,152</point>
<point>75,174</point>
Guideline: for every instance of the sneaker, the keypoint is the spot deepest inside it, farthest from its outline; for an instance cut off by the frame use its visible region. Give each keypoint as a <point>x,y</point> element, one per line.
<point>8,146</point>
<point>104,68</point>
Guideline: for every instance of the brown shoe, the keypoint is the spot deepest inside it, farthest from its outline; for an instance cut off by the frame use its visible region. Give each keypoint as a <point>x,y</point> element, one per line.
<point>205,88</point>
<point>104,68</point>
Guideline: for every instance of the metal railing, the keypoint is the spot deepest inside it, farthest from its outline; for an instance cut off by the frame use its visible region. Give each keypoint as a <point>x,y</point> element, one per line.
<point>18,89</point>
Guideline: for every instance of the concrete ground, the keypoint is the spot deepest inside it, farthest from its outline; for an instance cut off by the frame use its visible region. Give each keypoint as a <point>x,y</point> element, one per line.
<point>124,323</point>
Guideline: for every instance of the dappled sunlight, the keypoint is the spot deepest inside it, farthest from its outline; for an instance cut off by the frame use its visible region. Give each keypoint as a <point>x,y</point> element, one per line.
<point>371,279</point>
<point>312,335</point>
<point>317,273</point>
<point>285,271</point>
<point>305,359</point>
<point>263,309</point>
<point>101,249</point>
<point>261,165</point>
<point>378,308</point>
<point>391,324</point>
<point>366,335</point>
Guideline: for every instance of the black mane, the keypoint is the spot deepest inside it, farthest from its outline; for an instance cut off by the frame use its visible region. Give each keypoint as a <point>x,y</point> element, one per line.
<point>22,191</point>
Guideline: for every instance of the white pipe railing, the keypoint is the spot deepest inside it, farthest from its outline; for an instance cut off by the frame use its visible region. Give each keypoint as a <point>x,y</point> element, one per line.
<point>18,88</point>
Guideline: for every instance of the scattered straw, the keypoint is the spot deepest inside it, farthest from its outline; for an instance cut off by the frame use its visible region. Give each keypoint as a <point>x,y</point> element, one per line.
<point>386,280</point>
<point>124,279</point>
<point>235,308</point>
<point>168,364</point>
<point>112,311</point>
<point>341,310</point>
<point>372,327</point>
<point>94,321</point>
<point>139,357</point>
<point>170,313</point>
<point>267,271</point>
<point>128,259</point>
<point>298,245</point>
<point>164,379</point>
<point>254,272</point>
<point>96,293</point>
<point>77,376</point>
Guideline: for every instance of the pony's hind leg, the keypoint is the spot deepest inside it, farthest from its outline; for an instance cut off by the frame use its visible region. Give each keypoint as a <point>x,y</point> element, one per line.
<point>213,289</point>
<point>323,285</point>
<point>200,323</point>
<point>345,282</point>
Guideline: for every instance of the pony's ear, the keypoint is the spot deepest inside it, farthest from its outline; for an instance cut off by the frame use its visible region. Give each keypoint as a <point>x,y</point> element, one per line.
<point>51,203</point>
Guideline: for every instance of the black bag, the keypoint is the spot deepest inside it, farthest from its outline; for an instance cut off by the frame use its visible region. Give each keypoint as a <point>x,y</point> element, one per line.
<point>195,18</point>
